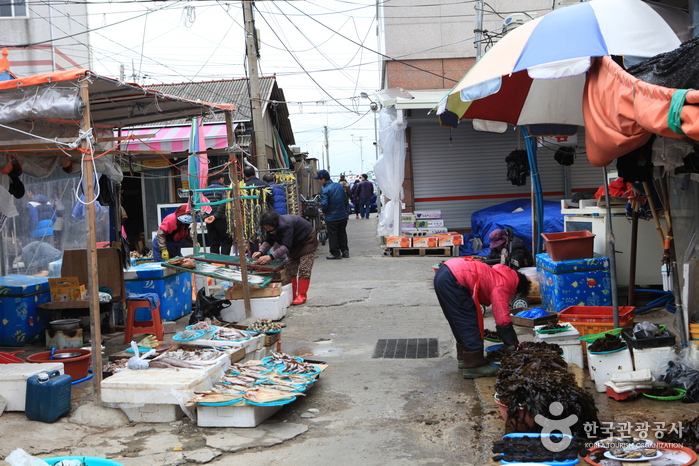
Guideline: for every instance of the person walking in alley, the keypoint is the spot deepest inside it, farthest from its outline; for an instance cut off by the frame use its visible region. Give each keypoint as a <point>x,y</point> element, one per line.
<point>354,198</point>
<point>365,190</point>
<point>294,236</point>
<point>332,201</point>
<point>216,223</point>
<point>462,286</point>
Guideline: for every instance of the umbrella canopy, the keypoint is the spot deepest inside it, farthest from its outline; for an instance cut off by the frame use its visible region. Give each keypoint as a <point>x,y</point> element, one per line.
<point>536,73</point>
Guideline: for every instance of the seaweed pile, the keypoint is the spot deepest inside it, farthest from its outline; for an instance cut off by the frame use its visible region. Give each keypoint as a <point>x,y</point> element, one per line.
<point>553,326</point>
<point>530,449</point>
<point>608,342</point>
<point>533,378</point>
<point>504,352</point>
<point>689,437</point>
<point>491,335</point>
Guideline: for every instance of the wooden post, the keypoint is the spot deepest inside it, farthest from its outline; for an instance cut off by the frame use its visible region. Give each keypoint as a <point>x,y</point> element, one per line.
<point>91,245</point>
<point>238,215</point>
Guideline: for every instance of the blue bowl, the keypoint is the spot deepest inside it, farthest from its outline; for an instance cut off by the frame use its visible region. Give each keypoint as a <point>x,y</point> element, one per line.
<point>89,460</point>
<point>179,338</point>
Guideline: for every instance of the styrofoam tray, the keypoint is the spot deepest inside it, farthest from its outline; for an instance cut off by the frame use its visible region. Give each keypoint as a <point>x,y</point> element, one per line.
<point>13,381</point>
<point>239,415</point>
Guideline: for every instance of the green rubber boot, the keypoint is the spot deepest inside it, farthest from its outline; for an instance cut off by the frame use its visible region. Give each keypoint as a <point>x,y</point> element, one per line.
<point>478,372</point>
<point>476,366</point>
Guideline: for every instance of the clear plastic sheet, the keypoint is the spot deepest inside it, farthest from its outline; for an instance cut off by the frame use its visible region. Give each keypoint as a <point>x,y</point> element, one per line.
<point>390,169</point>
<point>51,101</point>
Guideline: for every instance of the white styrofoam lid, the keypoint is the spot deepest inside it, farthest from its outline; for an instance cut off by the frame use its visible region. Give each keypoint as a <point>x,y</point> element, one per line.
<point>155,379</point>
<point>24,371</point>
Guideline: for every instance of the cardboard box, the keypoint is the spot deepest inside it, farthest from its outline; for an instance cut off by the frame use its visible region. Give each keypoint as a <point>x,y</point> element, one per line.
<point>450,240</point>
<point>270,291</point>
<point>272,339</point>
<point>237,355</point>
<point>407,218</point>
<point>428,214</point>
<point>434,230</point>
<point>66,289</point>
<point>408,225</point>
<point>412,232</point>
<point>429,223</point>
<point>396,241</point>
<point>425,242</point>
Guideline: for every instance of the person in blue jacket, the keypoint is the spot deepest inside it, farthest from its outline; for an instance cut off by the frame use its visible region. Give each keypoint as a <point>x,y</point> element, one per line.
<point>277,193</point>
<point>332,201</point>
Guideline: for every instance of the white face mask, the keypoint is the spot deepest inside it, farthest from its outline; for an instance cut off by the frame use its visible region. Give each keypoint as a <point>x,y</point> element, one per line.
<point>185,218</point>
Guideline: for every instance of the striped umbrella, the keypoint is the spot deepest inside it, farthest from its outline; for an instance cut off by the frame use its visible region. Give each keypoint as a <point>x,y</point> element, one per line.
<point>536,73</point>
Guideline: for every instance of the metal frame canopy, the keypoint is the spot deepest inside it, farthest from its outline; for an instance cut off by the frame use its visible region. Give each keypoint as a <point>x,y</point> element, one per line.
<point>112,103</point>
<point>50,111</point>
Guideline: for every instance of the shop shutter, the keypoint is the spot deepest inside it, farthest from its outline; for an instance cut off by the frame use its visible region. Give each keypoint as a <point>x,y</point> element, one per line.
<point>461,171</point>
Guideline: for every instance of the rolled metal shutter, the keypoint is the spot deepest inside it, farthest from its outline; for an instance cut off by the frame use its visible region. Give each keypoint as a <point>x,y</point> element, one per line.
<point>461,171</point>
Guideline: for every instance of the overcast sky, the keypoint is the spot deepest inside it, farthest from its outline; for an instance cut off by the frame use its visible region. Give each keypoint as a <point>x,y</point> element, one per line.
<point>322,52</point>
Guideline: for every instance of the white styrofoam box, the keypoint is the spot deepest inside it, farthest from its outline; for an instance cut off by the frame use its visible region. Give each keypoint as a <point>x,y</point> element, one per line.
<point>261,308</point>
<point>152,412</point>
<point>234,416</point>
<point>651,358</point>
<point>288,292</point>
<point>259,354</point>
<point>13,381</point>
<point>643,375</point>
<point>603,365</point>
<point>572,335</point>
<point>159,393</point>
<point>573,354</point>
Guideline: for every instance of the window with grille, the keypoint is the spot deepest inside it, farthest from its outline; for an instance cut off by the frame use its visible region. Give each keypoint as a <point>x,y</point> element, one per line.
<point>12,8</point>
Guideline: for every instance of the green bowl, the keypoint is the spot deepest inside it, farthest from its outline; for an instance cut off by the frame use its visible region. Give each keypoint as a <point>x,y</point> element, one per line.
<point>668,398</point>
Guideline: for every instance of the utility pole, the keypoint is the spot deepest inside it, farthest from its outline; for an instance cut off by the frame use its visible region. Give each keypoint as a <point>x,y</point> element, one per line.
<point>478,28</point>
<point>255,100</point>
<point>327,148</point>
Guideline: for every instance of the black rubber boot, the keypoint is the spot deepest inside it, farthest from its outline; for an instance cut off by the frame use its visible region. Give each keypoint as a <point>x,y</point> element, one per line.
<point>476,366</point>
<point>460,350</point>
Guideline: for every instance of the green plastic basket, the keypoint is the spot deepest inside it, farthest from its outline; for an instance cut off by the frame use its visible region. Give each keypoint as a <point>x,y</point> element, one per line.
<point>616,331</point>
<point>668,398</point>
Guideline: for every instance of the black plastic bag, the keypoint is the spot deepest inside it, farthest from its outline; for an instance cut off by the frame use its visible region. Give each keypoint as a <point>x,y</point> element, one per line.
<point>207,306</point>
<point>680,375</point>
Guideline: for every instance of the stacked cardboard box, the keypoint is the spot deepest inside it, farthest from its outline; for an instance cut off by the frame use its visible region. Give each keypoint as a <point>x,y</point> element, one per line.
<point>427,230</point>
<point>66,289</point>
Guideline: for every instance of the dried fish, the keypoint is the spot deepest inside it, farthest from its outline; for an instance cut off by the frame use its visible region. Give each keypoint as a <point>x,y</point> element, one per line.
<point>266,395</point>
<point>230,334</point>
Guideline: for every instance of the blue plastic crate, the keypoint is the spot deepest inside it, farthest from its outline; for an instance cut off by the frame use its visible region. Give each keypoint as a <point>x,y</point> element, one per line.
<point>20,320</point>
<point>581,282</point>
<point>174,289</point>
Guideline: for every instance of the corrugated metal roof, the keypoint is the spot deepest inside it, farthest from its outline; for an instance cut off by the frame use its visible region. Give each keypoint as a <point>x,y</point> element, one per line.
<point>236,91</point>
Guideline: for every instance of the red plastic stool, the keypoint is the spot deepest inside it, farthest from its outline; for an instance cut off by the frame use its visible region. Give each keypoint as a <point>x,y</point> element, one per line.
<point>138,327</point>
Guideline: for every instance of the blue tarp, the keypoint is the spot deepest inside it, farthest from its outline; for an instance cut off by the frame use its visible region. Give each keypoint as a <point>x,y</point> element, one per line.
<point>516,214</point>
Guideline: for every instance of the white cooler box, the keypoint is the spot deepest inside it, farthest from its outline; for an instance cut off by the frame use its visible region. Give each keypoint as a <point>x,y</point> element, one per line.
<point>569,341</point>
<point>234,416</point>
<point>159,395</point>
<point>260,308</point>
<point>13,381</point>
<point>603,365</point>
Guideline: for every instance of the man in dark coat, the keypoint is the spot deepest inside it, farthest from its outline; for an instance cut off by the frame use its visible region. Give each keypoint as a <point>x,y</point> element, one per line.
<point>216,223</point>
<point>365,191</point>
<point>332,201</point>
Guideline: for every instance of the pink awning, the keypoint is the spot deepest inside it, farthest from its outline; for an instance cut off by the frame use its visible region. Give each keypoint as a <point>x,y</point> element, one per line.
<point>176,138</point>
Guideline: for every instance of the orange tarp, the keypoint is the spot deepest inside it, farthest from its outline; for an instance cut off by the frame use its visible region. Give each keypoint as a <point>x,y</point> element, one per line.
<point>621,112</point>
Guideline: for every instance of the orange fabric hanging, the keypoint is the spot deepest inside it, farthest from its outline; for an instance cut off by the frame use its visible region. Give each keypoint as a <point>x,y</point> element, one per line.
<point>621,112</point>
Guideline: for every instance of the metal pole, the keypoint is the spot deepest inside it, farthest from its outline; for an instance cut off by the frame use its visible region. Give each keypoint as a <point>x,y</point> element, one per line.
<point>478,29</point>
<point>237,215</point>
<point>610,249</point>
<point>255,99</point>
<point>327,148</point>
<point>91,240</point>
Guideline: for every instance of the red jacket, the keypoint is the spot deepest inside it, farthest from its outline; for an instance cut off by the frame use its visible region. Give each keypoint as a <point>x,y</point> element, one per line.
<point>496,284</point>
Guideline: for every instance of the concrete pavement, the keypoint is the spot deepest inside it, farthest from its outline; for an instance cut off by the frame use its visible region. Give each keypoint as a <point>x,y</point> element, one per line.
<point>369,411</point>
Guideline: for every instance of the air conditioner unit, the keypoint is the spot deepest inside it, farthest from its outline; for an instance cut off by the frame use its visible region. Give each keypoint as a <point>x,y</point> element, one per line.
<point>295,150</point>
<point>514,20</point>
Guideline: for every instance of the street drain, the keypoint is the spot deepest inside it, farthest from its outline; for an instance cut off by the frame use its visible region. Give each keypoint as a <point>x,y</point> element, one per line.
<point>406,348</point>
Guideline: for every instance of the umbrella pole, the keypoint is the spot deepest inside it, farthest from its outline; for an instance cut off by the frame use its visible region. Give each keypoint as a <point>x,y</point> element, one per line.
<point>632,261</point>
<point>612,251</point>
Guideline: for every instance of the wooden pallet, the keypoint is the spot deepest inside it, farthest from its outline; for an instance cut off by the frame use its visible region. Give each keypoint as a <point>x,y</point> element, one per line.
<point>399,252</point>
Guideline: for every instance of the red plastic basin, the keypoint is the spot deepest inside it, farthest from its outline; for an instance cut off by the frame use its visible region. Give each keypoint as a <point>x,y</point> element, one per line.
<point>76,367</point>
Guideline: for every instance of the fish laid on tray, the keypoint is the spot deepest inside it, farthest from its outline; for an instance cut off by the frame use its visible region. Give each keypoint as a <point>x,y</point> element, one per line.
<point>235,367</point>
<point>230,334</point>
<point>282,358</point>
<point>213,397</point>
<point>266,395</point>
<point>298,367</point>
